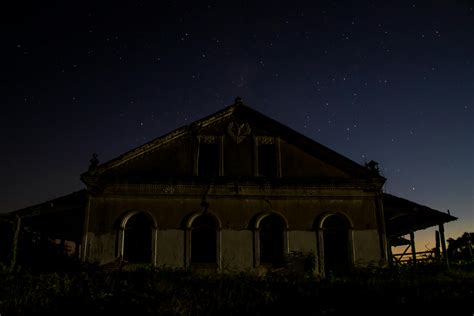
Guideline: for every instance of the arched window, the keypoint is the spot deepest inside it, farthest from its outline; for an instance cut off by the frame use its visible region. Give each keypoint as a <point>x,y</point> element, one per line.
<point>204,239</point>
<point>137,240</point>
<point>272,240</point>
<point>336,245</point>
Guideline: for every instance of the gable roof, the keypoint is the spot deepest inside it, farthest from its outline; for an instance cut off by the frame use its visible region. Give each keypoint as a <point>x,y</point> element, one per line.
<point>242,111</point>
<point>72,201</point>
<point>61,217</point>
<point>403,216</point>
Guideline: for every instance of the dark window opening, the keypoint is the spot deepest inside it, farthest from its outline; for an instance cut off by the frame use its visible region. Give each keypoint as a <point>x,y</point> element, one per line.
<point>267,165</point>
<point>203,240</point>
<point>336,245</point>
<point>239,157</point>
<point>208,160</point>
<point>138,239</point>
<point>271,240</point>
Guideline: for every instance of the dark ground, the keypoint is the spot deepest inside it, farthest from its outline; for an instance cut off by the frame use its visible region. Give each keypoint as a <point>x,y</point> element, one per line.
<point>426,290</point>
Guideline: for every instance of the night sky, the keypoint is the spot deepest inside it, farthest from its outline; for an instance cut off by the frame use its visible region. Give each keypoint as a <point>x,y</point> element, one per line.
<point>392,83</point>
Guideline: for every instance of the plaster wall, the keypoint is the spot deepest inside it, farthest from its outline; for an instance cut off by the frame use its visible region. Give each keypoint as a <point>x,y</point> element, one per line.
<point>236,250</point>
<point>366,247</point>
<point>170,248</point>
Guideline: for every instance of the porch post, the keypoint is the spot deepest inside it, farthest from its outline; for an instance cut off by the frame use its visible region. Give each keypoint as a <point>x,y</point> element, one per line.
<point>412,245</point>
<point>389,251</point>
<point>437,245</point>
<point>15,243</point>
<point>383,240</point>
<point>443,245</point>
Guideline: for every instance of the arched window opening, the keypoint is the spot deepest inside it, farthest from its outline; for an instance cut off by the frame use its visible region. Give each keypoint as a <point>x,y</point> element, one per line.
<point>336,245</point>
<point>204,239</point>
<point>137,246</point>
<point>271,240</point>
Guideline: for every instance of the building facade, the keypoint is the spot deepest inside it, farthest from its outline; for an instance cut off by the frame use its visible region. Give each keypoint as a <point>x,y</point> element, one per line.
<point>234,191</point>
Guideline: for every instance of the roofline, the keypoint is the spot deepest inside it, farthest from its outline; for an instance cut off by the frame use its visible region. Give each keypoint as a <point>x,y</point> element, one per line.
<point>314,143</point>
<point>36,207</point>
<point>161,140</point>
<point>437,217</point>
<point>207,120</point>
<point>453,218</point>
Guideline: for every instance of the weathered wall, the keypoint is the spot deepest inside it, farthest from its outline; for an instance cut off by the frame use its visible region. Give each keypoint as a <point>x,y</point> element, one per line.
<point>302,241</point>
<point>236,215</point>
<point>173,159</point>
<point>236,250</point>
<point>101,247</point>
<point>170,248</point>
<point>233,212</point>
<point>297,163</point>
<point>366,247</point>
<point>238,158</point>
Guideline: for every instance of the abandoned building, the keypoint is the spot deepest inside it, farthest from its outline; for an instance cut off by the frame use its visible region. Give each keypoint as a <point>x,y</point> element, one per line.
<point>234,191</point>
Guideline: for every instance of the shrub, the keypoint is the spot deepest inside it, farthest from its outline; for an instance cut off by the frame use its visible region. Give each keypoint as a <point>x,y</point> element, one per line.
<point>177,292</point>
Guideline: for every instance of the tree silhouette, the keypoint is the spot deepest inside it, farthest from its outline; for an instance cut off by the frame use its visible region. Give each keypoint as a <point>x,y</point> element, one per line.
<point>461,249</point>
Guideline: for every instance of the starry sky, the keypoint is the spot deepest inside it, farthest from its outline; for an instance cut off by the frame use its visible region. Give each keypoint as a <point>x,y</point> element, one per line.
<point>392,82</point>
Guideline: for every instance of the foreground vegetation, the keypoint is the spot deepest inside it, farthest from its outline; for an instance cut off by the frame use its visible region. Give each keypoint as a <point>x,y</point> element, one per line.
<point>427,289</point>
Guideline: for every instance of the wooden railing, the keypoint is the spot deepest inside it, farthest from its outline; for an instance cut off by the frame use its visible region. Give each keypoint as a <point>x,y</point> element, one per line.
<point>419,256</point>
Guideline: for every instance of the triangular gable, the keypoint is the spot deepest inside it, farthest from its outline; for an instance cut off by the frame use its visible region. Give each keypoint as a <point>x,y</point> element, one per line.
<point>261,124</point>
<point>161,141</point>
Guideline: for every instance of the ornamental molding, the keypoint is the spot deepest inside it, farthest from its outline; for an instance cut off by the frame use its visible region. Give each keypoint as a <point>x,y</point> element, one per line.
<point>240,189</point>
<point>208,139</point>
<point>238,132</point>
<point>168,189</point>
<point>265,140</point>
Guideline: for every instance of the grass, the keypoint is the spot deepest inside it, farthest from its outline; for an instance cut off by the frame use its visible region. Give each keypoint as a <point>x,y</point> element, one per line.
<point>427,289</point>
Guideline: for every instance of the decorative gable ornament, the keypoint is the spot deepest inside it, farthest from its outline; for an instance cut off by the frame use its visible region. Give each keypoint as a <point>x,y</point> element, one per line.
<point>238,132</point>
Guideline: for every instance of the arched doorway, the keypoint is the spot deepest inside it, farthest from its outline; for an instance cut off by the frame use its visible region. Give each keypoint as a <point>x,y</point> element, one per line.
<point>337,259</point>
<point>204,239</point>
<point>271,233</point>
<point>138,239</point>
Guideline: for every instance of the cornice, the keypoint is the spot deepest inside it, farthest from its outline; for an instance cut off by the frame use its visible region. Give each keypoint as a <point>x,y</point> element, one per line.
<point>236,189</point>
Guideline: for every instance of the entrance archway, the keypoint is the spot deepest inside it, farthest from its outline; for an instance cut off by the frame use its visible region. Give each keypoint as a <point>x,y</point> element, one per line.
<point>204,239</point>
<point>138,238</point>
<point>271,233</point>
<point>336,245</point>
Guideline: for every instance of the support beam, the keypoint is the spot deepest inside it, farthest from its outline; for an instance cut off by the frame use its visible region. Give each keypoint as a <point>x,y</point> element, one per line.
<point>86,229</point>
<point>443,246</point>
<point>383,240</point>
<point>390,254</point>
<point>400,257</point>
<point>412,245</point>
<point>15,243</point>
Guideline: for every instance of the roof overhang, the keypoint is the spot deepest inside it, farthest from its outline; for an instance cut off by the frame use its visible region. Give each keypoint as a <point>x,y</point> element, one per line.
<point>403,216</point>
